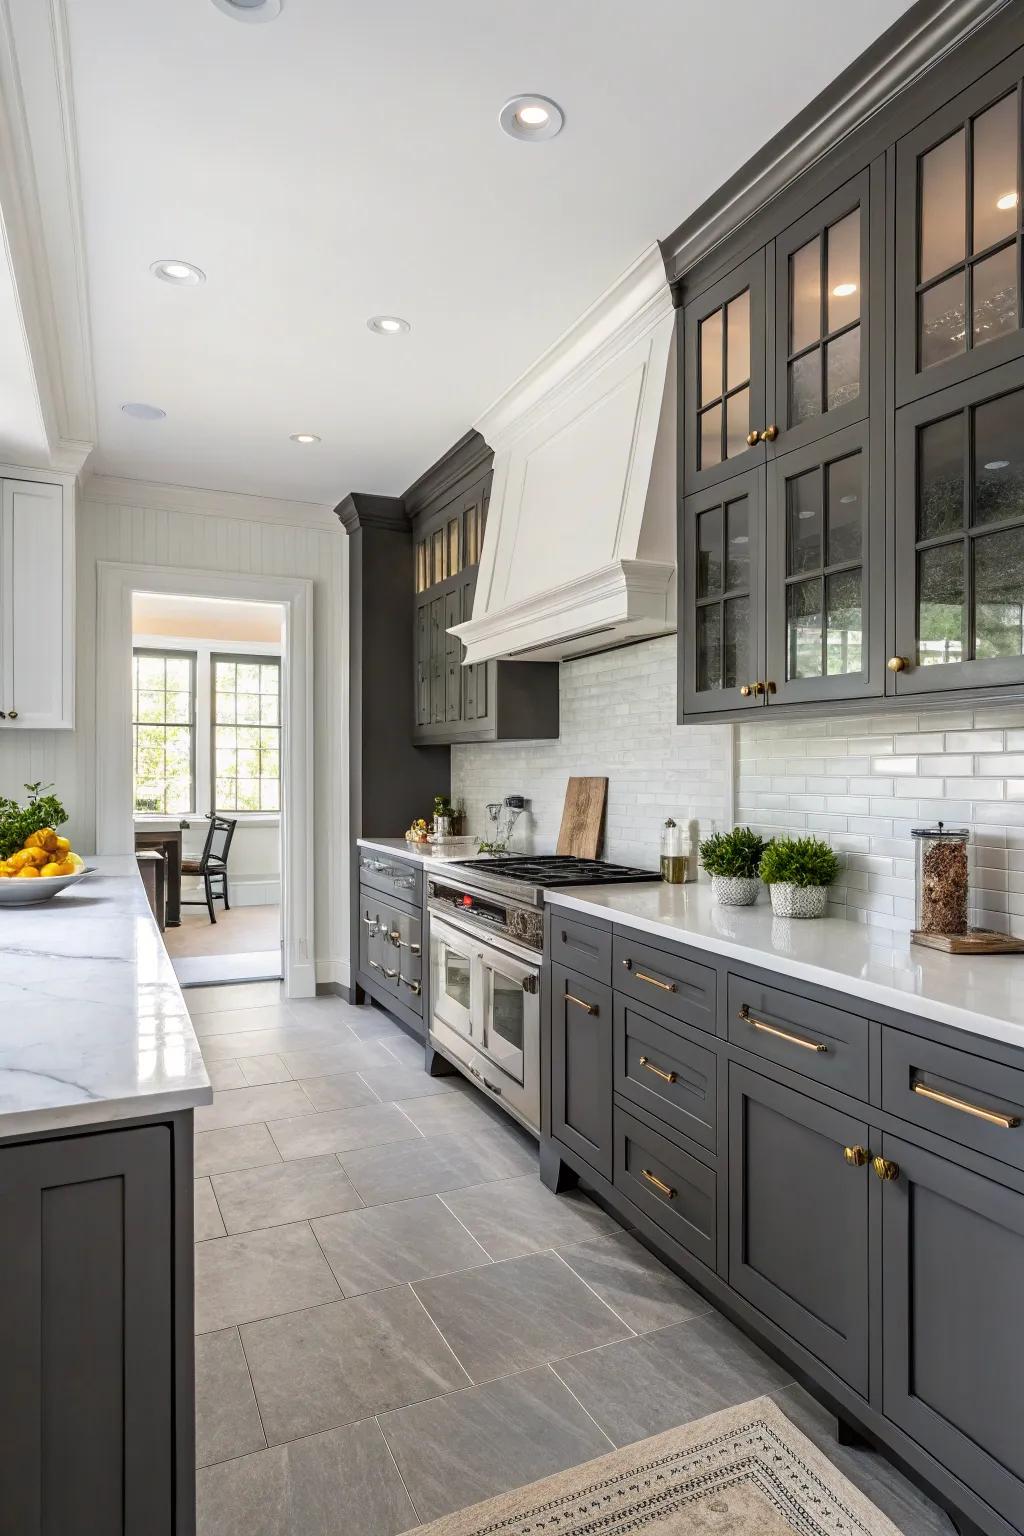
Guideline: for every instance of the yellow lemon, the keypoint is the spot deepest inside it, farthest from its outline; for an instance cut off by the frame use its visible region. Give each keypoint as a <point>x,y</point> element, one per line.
<point>51,871</point>
<point>28,872</point>
<point>65,867</point>
<point>63,846</point>
<point>76,861</point>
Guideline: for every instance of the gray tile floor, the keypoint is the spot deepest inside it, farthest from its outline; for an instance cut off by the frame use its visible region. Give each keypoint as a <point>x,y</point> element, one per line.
<point>396,1319</point>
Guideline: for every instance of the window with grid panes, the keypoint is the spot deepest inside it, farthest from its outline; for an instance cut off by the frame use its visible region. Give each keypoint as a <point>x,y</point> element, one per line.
<point>246,702</point>
<point>163,731</point>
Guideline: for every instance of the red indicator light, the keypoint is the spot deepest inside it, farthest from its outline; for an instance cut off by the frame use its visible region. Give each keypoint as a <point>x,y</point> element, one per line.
<point>467,901</point>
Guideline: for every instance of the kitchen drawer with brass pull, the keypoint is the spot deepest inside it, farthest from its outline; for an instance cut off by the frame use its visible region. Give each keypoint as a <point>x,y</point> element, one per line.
<point>667,979</point>
<point>580,946</point>
<point>800,1033</point>
<point>579,1002</point>
<point>392,876</point>
<point>665,1068</point>
<point>973,1101</point>
<point>675,1189</point>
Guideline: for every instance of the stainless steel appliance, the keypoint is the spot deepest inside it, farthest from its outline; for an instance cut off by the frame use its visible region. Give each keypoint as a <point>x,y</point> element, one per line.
<point>486,936</point>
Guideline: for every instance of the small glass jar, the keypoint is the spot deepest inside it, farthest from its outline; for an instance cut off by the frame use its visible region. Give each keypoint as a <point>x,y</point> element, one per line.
<point>943,872</point>
<point>674,853</point>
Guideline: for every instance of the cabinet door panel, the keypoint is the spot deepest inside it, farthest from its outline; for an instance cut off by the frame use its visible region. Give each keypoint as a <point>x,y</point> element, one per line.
<point>958,237</point>
<point>437,661</point>
<point>581,1066</point>
<point>35,654</point>
<point>723,393</point>
<point>798,1219</point>
<point>823,292</point>
<point>960,535</point>
<point>953,1356</point>
<point>423,664</point>
<point>452,660</point>
<point>722,622</point>
<point>824,612</point>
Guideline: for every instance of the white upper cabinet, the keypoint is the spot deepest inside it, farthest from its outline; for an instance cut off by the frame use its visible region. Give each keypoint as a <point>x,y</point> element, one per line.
<point>37,606</point>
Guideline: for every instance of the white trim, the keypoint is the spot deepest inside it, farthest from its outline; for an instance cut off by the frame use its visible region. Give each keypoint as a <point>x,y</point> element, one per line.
<point>118,491</point>
<point>114,821</point>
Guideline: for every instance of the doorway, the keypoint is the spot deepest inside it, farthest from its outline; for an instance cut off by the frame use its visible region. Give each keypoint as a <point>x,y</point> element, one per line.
<point>207,769</point>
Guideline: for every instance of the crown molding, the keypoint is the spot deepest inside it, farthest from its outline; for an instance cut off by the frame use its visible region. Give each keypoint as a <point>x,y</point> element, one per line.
<point>114,490</point>
<point>462,462</point>
<point>361,509</point>
<point>913,44</point>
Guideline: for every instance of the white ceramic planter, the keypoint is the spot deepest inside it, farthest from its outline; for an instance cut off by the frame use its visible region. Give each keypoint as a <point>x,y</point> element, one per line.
<point>735,890</point>
<point>799,900</point>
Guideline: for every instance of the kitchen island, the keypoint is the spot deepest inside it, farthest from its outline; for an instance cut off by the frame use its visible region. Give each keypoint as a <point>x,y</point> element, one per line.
<point>100,1071</point>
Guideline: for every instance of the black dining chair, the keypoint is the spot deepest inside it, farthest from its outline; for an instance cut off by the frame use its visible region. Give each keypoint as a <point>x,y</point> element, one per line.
<point>212,864</point>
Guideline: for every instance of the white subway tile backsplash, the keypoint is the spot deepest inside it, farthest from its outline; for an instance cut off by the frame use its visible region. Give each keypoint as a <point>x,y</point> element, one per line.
<point>974,741</point>
<point>894,765</point>
<point>999,767</point>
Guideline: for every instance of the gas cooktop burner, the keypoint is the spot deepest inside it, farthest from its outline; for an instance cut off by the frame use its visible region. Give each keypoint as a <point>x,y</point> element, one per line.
<point>553,869</point>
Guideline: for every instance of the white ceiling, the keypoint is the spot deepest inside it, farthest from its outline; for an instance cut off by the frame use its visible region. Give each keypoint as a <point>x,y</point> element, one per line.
<point>345,160</point>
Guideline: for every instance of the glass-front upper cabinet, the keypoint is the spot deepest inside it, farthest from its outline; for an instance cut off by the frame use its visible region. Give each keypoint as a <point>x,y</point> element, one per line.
<point>958,238</point>
<point>823,284</point>
<point>723,390</point>
<point>960,538</point>
<point>721,628</point>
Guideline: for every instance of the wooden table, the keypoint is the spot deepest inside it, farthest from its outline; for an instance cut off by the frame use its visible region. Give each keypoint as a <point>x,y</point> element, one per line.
<point>153,869</point>
<point>169,844</point>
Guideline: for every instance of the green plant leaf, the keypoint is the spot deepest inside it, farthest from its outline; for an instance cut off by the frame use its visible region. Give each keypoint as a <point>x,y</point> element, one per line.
<point>799,861</point>
<point>736,853</point>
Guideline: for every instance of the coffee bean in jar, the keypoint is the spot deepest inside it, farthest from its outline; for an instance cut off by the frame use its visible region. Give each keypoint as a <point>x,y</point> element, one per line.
<point>943,879</point>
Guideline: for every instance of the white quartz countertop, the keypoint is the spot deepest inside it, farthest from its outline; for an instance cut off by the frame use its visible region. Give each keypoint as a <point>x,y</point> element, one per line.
<point>983,995</point>
<point>93,1026</point>
<point>417,853</point>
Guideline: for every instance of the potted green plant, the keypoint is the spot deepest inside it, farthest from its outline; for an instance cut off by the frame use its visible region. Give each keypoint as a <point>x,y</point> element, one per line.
<point>733,860</point>
<point>798,872</point>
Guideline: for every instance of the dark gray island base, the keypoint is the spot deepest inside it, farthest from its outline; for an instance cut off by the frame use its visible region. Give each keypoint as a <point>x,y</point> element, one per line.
<point>843,1179</point>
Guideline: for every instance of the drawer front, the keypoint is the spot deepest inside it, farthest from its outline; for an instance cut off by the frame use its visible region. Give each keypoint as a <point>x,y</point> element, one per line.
<point>403,948</point>
<point>376,953</point>
<point>660,1065</point>
<point>668,981</point>
<point>972,1101</point>
<point>394,877</point>
<point>581,1066</point>
<point>581,947</point>
<point>674,1189</point>
<point>800,1033</point>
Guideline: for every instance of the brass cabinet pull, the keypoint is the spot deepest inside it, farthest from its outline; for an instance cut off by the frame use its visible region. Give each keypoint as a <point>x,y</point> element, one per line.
<point>770,434</point>
<point>12,714</point>
<point>745,691</point>
<point>990,1116</point>
<point>752,438</point>
<point>659,1184</point>
<point>571,997</point>
<point>856,1156</point>
<point>897,664</point>
<point>780,1034</point>
<point>666,1077</point>
<point>664,986</point>
<point>886,1170</point>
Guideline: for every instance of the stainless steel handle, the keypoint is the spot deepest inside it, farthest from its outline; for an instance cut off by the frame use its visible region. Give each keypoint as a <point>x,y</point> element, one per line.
<point>481,1079</point>
<point>571,997</point>
<point>780,1034</point>
<point>529,984</point>
<point>371,923</point>
<point>374,966</point>
<point>414,949</point>
<point>414,986</point>
<point>990,1116</point>
<point>389,974</point>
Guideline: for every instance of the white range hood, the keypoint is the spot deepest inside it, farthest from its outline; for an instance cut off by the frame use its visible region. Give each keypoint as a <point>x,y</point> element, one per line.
<point>580,548</point>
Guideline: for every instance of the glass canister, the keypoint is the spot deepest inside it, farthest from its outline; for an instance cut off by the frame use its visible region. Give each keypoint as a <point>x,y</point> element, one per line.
<point>943,879</point>
<point>674,853</point>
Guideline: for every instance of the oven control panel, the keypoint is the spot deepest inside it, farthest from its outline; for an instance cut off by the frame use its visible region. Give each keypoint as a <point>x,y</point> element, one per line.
<point>488,912</point>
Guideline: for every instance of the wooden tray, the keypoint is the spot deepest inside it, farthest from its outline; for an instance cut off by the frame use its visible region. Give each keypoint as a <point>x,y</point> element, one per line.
<point>980,941</point>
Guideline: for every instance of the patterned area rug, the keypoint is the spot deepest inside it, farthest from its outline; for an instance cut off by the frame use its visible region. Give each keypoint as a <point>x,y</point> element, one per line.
<point>745,1472</point>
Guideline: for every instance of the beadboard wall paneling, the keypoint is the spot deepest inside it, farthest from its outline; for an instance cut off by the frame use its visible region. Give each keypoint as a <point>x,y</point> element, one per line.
<point>617,714</point>
<point>862,782</point>
<point>166,536</point>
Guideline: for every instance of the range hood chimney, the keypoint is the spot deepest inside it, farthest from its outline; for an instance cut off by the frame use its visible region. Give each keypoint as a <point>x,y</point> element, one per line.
<point>579,552</point>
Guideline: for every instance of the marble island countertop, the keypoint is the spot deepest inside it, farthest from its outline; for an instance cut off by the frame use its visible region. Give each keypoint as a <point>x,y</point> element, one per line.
<point>983,995</point>
<point>93,1026</point>
<point>419,853</point>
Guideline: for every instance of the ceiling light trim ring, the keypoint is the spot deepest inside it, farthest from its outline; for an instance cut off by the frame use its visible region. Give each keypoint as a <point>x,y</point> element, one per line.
<point>178,272</point>
<point>140,410</point>
<point>248,11</point>
<point>305,438</point>
<point>511,118</point>
<point>387,325</point>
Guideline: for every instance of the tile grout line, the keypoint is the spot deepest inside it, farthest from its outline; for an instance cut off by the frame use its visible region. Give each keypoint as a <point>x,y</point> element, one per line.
<point>410,1119</point>
<point>583,1406</point>
<point>447,1346</point>
<point>632,1331</point>
<point>371,1089</point>
<point>252,1388</point>
<point>440,1196</point>
<point>394,1462</point>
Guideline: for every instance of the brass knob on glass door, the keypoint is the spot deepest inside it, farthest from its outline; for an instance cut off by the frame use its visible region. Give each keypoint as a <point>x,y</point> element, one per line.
<point>897,663</point>
<point>856,1156</point>
<point>752,438</point>
<point>770,433</point>
<point>886,1170</point>
<point>12,714</point>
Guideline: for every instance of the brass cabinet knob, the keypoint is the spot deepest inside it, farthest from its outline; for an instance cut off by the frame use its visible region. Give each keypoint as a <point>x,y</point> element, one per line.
<point>769,686</point>
<point>856,1156</point>
<point>746,691</point>
<point>770,433</point>
<point>12,714</point>
<point>897,663</point>
<point>752,438</point>
<point>885,1169</point>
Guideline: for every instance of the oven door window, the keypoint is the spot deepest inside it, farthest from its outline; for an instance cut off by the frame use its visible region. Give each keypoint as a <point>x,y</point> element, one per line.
<point>453,982</point>
<point>457,976</point>
<point>505,1019</point>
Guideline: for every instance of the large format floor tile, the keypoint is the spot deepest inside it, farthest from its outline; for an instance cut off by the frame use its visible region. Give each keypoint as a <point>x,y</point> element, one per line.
<point>224,1074</point>
<point>448,1113</point>
<point>283,1192</point>
<point>245,1106</point>
<point>402,1171</point>
<point>636,1285</point>
<point>206,1213</point>
<point>654,1382</point>
<point>334,1364</point>
<point>238,1146</point>
<point>322,1058</point>
<point>522,1216</point>
<point>389,1244</point>
<point>236,1021</point>
<point>227,1419</point>
<point>340,1130</point>
<point>341,1090</point>
<point>403,1048</point>
<point>511,1316</point>
<point>261,1069</point>
<point>397,1082</point>
<point>343,1483</point>
<point>259,1274</point>
<point>219,999</point>
<point>471,1445</point>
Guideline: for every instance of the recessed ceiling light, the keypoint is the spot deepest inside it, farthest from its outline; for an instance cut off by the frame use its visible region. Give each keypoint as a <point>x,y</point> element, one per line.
<point>998,464</point>
<point>304,437</point>
<point>1008,200</point>
<point>140,411</point>
<point>250,10</point>
<point>387,325</point>
<point>183,274</point>
<point>843,290</point>
<point>531,118</point>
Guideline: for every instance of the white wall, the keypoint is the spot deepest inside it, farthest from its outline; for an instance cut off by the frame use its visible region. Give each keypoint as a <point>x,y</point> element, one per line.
<point>617,719</point>
<point>162,525</point>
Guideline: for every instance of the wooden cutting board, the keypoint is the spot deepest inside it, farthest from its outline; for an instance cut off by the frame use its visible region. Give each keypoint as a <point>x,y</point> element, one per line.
<point>582,828</point>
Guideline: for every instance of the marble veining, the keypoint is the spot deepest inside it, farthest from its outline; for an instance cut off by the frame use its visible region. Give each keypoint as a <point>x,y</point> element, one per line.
<point>93,1026</point>
<point>980,994</point>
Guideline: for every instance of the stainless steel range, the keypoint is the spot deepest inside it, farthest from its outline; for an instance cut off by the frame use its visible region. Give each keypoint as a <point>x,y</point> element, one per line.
<point>486,935</point>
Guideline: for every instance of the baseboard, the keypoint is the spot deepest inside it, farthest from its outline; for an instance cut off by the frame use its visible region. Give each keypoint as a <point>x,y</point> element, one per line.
<point>244,893</point>
<point>334,989</point>
<point>302,979</point>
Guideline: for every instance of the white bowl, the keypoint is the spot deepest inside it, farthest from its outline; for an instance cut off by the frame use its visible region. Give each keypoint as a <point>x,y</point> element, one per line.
<point>28,893</point>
